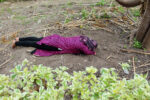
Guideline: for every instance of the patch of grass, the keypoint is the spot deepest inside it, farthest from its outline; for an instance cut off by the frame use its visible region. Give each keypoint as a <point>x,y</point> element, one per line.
<point>2,0</point>
<point>136,12</point>
<point>67,20</point>
<point>135,19</point>
<point>84,14</point>
<point>68,17</point>
<point>26,22</point>
<point>105,15</point>
<point>20,17</point>
<point>69,3</point>
<point>137,44</point>
<point>8,10</point>
<point>93,13</point>
<point>37,18</point>
<point>101,3</point>
<point>125,46</point>
<point>121,9</point>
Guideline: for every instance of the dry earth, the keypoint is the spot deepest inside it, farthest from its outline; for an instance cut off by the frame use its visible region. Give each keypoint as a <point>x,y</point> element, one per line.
<point>41,18</point>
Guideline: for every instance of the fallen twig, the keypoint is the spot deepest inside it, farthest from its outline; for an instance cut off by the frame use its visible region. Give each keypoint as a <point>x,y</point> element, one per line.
<point>107,30</point>
<point>143,65</point>
<point>117,23</point>
<point>133,65</point>
<point>5,62</point>
<point>134,51</point>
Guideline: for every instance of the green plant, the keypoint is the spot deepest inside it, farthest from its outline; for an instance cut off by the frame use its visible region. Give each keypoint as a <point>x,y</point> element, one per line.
<point>136,12</point>
<point>101,3</point>
<point>67,20</point>
<point>2,0</point>
<point>37,82</point>
<point>20,17</point>
<point>105,15</point>
<point>125,67</point>
<point>121,9</point>
<point>68,17</point>
<point>137,44</point>
<point>70,3</point>
<point>39,18</point>
<point>125,46</point>
<point>84,14</point>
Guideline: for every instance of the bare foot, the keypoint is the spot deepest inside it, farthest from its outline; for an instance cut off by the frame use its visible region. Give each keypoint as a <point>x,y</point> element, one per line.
<point>17,39</point>
<point>13,44</point>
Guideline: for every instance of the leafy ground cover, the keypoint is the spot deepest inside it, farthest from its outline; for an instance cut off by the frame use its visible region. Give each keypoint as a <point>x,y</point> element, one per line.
<point>30,82</point>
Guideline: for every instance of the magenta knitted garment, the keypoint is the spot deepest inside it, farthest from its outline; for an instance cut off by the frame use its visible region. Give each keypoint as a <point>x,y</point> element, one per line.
<point>69,45</point>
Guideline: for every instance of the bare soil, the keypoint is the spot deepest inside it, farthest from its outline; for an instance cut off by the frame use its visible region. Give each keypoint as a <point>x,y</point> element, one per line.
<point>42,18</point>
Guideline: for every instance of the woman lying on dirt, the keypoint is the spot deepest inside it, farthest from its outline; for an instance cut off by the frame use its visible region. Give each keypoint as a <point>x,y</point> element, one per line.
<point>56,44</point>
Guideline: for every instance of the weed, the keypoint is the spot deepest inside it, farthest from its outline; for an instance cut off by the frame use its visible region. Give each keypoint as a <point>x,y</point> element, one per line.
<point>37,18</point>
<point>84,14</point>
<point>93,12</point>
<point>121,9</point>
<point>26,22</point>
<point>125,46</point>
<point>105,15</point>
<point>2,0</point>
<point>136,12</point>
<point>70,3</point>
<point>137,44</point>
<point>135,19</point>
<point>125,67</point>
<point>8,10</point>
<point>68,17</point>
<point>20,17</point>
<point>67,20</point>
<point>101,3</point>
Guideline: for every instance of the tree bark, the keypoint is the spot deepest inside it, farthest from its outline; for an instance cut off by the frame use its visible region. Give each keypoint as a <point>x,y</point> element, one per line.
<point>146,42</point>
<point>145,24</point>
<point>143,32</point>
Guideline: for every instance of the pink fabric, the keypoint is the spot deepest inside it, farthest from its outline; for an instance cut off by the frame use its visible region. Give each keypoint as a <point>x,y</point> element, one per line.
<point>69,45</point>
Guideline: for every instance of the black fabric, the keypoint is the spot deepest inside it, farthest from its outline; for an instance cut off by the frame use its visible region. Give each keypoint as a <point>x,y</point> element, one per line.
<point>32,52</point>
<point>32,42</point>
<point>30,39</point>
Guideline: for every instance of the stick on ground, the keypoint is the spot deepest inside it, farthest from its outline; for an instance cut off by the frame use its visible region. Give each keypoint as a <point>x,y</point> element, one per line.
<point>135,51</point>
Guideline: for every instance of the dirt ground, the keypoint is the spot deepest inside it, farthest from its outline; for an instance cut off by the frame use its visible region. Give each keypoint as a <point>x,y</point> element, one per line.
<point>42,18</point>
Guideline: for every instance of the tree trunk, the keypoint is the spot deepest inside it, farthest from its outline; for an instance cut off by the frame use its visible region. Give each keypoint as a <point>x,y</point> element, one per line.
<point>146,41</point>
<point>143,32</point>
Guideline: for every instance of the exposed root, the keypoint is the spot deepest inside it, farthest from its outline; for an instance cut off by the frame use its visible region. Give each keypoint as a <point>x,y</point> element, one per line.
<point>134,51</point>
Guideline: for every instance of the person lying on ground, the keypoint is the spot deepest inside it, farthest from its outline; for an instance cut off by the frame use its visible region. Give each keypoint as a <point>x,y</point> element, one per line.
<point>56,44</point>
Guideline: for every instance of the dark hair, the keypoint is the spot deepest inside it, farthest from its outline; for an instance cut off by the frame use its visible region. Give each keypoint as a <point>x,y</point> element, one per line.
<point>94,43</point>
<point>91,44</point>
